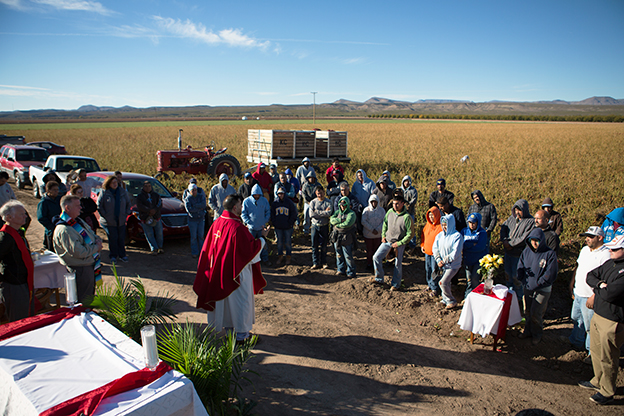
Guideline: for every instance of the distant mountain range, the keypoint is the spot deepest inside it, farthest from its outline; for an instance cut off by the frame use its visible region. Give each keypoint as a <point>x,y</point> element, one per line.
<point>339,108</point>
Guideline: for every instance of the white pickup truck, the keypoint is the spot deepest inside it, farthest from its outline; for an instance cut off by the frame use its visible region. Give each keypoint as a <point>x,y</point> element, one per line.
<point>62,165</point>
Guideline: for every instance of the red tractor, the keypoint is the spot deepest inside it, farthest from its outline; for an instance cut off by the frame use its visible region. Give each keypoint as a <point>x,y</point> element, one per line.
<point>196,161</point>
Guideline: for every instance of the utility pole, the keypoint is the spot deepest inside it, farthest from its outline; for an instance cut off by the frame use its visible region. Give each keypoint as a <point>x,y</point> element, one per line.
<point>313,107</point>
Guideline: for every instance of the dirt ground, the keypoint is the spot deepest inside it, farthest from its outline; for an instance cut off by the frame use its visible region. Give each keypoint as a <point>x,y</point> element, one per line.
<point>336,346</point>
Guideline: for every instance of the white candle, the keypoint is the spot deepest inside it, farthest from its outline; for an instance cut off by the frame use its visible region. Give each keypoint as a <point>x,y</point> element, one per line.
<point>148,338</point>
<point>70,289</point>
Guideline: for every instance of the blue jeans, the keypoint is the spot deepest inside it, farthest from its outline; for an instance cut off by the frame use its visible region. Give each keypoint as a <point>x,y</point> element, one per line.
<point>116,241</point>
<point>511,271</point>
<point>306,218</point>
<point>264,255</point>
<point>154,235</point>
<point>381,254</point>
<point>320,234</point>
<point>472,278</point>
<point>581,316</point>
<point>430,267</point>
<point>197,235</point>
<point>344,256</point>
<point>284,241</point>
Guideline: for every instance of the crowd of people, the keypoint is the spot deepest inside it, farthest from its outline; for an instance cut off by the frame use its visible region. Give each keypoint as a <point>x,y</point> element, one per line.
<point>336,215</point>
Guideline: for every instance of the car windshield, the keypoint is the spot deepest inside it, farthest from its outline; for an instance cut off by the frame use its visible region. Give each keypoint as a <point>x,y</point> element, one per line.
<point>67,165</point>
<point>34,155</point>
<point>134,187</point>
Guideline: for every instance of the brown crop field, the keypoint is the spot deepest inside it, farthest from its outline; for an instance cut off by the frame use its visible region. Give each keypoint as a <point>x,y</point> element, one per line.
<point>576,164</point>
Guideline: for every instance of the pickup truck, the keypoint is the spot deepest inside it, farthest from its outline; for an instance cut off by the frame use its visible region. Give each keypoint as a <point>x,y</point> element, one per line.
<point>62,165</point>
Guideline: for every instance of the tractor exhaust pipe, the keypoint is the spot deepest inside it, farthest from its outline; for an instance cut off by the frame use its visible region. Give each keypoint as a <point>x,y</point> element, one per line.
<point>180,140</point>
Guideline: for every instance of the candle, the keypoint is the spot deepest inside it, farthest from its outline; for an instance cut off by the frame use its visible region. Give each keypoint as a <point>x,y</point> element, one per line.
<point>148,338</point>
<point>70,289</point>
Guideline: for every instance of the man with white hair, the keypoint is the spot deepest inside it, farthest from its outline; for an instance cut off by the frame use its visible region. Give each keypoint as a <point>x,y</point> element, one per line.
<point>195,205</point>
<point>16,279</point>
<point>218,193</point>
<point>78,247</point>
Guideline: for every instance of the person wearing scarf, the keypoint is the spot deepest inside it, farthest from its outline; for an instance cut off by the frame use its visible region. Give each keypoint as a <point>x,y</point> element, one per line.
<point>16,265</point>
<point>114,208</point>
<point>78,247</point>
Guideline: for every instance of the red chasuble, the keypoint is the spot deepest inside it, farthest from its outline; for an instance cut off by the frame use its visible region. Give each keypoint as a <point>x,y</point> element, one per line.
<point>228,249</point>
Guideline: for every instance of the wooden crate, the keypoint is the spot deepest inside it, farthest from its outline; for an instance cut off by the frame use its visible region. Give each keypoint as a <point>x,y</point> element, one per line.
<point>304,144</point>
<point>337,144</point>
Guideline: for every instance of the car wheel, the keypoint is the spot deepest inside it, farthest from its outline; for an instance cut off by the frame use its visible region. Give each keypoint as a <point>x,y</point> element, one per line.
<point>36,189</point>
<point>224,164</point>
<point>18,181</point>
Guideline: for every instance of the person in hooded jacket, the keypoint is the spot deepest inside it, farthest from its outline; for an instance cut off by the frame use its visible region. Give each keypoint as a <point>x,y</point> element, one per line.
<point>612,226</point>
<point>218,193</point>
<point>372,225</point>
<point>513,234</point>
<point>263,178</point>
<point>447,250</point>
<point>293,181</point>
<point>48,211</point>
<point>427,237</point>
<point>309,193</point>
<point>149,205</point>
<point>256,212</point>
<point>391,184</point>
<point>475,248</point>
<point>283,218</point>
<point>411,197</point>
<point>487,211</point>
<point>114,207</point>
<point>303,171</point>
<point>383,192</point>
<point>344,237</point>
<point>537,270</point>
<point>555,222</point>
<point>329,173</point>
<point>194,199</point>
<point>363,187</point>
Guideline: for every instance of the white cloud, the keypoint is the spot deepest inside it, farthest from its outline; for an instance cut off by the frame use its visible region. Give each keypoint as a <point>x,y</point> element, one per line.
<point>77,5</point>
<point>267,93</point>
<point>190,30</point>
<point>353,61</point>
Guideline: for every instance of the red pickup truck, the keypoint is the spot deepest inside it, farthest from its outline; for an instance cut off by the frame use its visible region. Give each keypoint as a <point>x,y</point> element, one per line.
<point>15,160</point>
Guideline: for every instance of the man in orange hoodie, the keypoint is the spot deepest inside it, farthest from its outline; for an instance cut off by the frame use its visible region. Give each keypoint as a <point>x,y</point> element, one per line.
<point>427,237</point>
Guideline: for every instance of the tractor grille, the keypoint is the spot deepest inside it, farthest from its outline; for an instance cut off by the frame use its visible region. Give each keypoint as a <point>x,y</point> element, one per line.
<point>175,220</point>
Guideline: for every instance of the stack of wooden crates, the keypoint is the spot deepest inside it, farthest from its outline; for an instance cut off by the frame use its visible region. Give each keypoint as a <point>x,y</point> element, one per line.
<point>273,146</point>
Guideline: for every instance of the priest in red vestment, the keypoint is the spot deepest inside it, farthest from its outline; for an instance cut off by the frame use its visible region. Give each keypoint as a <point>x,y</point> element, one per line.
<point>229,273</point>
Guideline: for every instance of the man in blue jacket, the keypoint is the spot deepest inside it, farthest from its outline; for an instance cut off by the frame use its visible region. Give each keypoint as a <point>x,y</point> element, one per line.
<point>283,217</point>
<point>475,248</point>
<point>255,215</point>
<point>195,205</point>
<point>537,270</point>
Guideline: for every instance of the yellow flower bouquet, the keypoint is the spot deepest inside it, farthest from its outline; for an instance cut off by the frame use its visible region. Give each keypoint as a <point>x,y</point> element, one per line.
<point>489,266</point>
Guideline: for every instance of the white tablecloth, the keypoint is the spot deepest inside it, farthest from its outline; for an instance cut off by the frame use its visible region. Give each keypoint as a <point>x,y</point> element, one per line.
<point>481,314</point>
<point>49,365</point>
<point>49,272</point>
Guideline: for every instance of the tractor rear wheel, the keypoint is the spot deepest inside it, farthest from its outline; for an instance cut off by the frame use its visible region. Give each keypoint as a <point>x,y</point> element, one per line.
<point>224,164</point>
<point>162,175</point>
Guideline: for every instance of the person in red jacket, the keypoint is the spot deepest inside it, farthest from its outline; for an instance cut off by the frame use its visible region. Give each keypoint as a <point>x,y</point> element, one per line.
<point>334,166</point>
<point>265,181</point>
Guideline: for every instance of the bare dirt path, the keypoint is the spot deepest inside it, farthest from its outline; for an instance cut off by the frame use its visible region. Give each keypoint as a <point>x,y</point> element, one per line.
<point>333,346</point>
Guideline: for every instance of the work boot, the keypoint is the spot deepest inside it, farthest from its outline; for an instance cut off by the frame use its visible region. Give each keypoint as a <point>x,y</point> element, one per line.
<point>279,260</point>
<point>287,260</point>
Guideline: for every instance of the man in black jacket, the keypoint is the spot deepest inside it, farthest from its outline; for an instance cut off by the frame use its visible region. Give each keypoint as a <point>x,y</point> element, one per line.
<point>441,192</point>
<point>607,324</point>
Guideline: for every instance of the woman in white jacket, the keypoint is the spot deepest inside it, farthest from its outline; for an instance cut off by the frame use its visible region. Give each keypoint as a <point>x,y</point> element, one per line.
<point>447,250</point>
<point>372,224</point>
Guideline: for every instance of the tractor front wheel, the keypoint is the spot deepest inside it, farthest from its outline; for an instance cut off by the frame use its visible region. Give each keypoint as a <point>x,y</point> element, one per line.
<point>224,164</point>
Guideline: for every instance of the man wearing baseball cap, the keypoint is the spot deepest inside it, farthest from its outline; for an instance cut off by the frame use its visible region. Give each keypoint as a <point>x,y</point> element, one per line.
<point>593,255</point>
<point>607,324</point>
<point>440,193</point>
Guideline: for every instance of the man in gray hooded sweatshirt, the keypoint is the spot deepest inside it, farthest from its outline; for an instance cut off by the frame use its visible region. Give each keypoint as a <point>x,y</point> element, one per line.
<point>513,234</point>
<point>218,193</point>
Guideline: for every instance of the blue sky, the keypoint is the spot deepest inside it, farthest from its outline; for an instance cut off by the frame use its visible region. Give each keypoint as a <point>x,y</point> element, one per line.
<point>67,53</point>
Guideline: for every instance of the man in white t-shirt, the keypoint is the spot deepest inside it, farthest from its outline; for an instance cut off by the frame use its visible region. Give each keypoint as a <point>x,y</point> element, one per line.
<point>593,255</point>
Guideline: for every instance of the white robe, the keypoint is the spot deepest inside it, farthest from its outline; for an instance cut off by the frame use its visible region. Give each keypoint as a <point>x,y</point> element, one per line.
<point>237,310</point>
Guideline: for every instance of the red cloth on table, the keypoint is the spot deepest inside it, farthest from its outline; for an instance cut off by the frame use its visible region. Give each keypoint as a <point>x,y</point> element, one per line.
<point>502,324</point>
<point>28,324</point>
<point>228,249</point>
<point>87,403</point>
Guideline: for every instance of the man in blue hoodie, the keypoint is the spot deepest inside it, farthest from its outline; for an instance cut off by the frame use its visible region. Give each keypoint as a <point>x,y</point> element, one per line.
<point>283,217</point>
<point>475,248</point>
<point>613,225</point>
<point>195,205</point>
<point>255,214</point>
<point>537,270</point>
